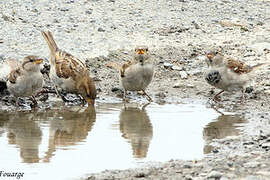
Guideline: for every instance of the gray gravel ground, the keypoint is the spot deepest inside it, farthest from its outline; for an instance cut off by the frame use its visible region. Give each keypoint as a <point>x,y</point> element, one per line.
<point>178,32</point>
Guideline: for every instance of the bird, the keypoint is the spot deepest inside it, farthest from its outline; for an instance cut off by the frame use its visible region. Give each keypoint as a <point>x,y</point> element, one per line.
<point>25,79</point>
<point>228,74</point>
<point>69,73</point>
<point>136,74</point>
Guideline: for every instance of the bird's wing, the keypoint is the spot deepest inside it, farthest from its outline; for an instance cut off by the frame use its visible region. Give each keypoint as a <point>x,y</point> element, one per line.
<point>13,63</point>
<point>125,66</point>
<point>238,66</point>
<point>14,74</point>
<point>67,65</point>
<point>6,67</point>
<point>121,68</point>
<point>114,65</point>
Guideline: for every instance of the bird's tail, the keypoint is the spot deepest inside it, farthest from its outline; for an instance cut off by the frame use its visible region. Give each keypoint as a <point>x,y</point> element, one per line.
<point>50,41</point>
<point>114,65</point>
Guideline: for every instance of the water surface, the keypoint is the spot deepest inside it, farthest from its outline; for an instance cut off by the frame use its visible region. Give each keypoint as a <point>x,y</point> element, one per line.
<point>69,142</point>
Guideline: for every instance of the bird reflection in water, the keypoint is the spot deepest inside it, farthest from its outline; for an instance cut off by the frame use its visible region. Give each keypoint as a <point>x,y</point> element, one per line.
<point>69,128</point>
<point>136,127</point>
<point>3,121</point>
<point>24,131</point>
<point>223,126</point>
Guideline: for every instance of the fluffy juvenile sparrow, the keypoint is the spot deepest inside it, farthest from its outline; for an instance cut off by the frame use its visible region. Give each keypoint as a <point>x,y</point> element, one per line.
<point>137,74</point>
<point>228,74</point>
<point>69,73</point>
<point>25,80</point>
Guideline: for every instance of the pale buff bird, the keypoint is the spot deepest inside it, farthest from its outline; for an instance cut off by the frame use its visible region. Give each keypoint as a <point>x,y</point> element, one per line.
<point>25,79</point>
<point>137,74</point>
<point>228,74</point>
<point>69,73</point>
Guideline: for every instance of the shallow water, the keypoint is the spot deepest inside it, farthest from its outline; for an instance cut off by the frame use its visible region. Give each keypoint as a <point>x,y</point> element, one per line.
<point>69,142</point>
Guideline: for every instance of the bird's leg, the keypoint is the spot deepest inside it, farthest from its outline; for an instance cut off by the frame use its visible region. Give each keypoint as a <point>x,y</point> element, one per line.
<point>144,106</point>
<point>57,92</point>
<point>216,98</point>
<point>17,102</point>
<point>34,102</point>
<point>124,96</point>
<point>62,95</point>
<point>243,96</point>
<point>82,100</point>
<point>147,96</point>
<point>216,109</point>
<point>43,91</point>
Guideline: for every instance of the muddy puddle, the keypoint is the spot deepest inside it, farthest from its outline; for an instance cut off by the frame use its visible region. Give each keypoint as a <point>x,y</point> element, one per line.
<point>69,142</point>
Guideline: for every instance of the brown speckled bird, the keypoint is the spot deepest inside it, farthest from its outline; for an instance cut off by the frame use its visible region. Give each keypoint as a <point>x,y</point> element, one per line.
<point>70,73</point>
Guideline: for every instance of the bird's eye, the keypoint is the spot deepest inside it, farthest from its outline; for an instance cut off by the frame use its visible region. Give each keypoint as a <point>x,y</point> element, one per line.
<point>31,60</point>
<point>216,52</point>
<point>146,49</point>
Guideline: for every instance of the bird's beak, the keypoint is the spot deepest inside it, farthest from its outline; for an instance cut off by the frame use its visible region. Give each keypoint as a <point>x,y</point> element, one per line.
<point>38,61</point>
<point>90,102</point>
<point>210,55</point>
<point>140,51</point>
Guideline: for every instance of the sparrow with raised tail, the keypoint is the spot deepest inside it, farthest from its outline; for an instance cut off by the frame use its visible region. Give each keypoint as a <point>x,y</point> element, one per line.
<point>69,73</point>
<point>25,80</point>
<point>137,74</point>
<point>228,74</point>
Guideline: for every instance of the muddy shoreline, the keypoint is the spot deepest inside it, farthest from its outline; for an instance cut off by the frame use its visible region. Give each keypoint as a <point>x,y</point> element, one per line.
<point>177,33</point>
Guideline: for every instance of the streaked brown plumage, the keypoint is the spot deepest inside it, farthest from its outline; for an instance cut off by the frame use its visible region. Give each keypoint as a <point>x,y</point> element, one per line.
<point>70,73</point>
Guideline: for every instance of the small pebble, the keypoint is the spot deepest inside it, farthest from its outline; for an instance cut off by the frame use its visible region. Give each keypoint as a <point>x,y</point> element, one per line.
<point>183,74</point>
<point>167,65</point>
<point>178,68</point>
<point>190,86</point>
<point>177,85</point>
<point>161,95</point>
<point>267,92</point>
<point>101,29</point>
<point>215,175</point>
<point>266,145</point>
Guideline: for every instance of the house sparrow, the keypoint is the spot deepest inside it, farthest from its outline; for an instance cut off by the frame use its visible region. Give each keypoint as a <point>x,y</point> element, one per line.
<point>69,73</point>
<point>25,80</point>
<point>228,74</point>
<point>137,74</point>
